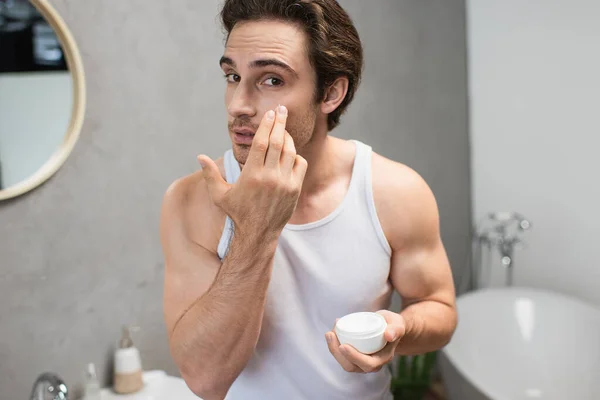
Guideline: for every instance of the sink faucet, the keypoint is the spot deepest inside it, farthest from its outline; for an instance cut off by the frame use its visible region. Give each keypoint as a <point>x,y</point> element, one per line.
<point>49,386</point>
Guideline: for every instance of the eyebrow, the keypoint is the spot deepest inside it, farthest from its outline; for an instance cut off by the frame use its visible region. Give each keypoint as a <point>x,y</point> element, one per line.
<point>260,63</point>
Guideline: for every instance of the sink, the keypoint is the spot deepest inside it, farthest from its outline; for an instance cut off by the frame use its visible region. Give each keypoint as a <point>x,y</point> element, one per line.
<point>157,386</point>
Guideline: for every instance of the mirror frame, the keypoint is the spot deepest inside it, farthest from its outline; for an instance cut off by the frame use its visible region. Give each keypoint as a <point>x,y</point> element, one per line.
<point>75,66</point>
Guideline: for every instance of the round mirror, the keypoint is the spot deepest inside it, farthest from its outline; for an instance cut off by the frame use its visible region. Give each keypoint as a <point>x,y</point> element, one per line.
<point>42,96</point>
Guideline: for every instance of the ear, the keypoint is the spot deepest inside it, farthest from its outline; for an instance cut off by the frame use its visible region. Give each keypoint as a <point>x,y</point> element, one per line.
<point>334,95</point>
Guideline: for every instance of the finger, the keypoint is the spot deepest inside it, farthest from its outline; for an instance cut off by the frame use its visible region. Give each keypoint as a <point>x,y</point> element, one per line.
<point>392,334</point>
<point>367,363</point>
<point>217,186</point>
<point>396,327</point>
<point>276,139</point>
<point>260,142</point>
<point>299,170</point>
<point>386,354</point>
<point>334,348</point>
<point>288,155</point>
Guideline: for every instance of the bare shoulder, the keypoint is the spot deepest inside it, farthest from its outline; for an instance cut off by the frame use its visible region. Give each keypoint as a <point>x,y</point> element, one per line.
<point>188,212</point>
<point>406,206</point>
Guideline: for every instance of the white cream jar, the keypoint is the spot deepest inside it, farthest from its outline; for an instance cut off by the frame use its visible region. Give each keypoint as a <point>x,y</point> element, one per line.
<point>362,330</point>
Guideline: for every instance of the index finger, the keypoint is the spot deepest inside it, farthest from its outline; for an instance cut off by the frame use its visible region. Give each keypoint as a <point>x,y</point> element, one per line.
<point>368,362</point>
<point>334,348</point>
<point>260,143</point>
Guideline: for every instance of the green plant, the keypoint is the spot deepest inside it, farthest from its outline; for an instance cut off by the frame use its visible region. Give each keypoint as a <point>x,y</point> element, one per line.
<point>412,378</point>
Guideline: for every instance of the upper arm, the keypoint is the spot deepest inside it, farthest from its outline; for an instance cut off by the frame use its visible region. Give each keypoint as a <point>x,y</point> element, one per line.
<point>190,268</point>
<point>420,269</point>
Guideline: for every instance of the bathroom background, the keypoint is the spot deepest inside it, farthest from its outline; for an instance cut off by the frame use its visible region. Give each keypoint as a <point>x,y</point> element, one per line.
<point>507,126</point>
<point>533,83</point>
<point>80,255</point>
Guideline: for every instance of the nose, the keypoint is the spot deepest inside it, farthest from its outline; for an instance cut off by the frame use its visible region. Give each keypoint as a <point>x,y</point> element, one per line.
<point>241,103</point>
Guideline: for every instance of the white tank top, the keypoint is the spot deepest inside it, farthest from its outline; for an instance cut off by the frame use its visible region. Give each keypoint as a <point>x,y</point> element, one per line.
<point>322,270</point>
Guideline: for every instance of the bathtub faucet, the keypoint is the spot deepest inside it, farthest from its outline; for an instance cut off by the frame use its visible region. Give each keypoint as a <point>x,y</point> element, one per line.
<point>502,230</point>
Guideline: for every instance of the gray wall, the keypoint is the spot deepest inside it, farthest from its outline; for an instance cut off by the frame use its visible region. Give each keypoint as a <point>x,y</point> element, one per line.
<point>81,255</point>
<point>539,124</point>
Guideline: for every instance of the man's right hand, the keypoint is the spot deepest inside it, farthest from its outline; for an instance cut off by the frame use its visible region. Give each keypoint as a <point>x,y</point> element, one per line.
<point>265,196</point>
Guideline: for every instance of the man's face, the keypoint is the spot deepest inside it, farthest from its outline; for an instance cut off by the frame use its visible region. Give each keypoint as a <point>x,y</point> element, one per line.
<point>266,64</point>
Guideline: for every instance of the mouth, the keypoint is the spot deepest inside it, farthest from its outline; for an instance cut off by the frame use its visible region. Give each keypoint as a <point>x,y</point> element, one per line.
<point>244,131</point>
<point>243,136</point>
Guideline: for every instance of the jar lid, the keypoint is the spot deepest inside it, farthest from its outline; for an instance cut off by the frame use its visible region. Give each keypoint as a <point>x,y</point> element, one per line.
<point>361,324</point>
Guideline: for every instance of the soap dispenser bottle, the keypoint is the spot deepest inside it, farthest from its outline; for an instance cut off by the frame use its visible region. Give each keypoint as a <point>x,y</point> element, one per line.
<point>92,386</point>
<point>127,365</point>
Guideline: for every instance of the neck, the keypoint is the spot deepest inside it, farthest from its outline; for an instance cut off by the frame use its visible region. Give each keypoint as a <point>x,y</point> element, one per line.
<point>318,153</point>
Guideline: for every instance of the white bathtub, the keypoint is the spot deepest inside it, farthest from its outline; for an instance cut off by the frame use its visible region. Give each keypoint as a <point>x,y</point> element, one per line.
<point>523,343</point>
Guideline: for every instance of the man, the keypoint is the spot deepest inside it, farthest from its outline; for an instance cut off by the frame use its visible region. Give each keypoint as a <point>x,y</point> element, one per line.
<point>293,228</point>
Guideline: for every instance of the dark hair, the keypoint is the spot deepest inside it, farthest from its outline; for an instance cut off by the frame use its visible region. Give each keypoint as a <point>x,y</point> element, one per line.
<point>334,49</point>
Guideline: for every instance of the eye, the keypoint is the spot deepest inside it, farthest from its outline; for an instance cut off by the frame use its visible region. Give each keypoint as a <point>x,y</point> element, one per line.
<point>232,78</point>
<point>272,81</point>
